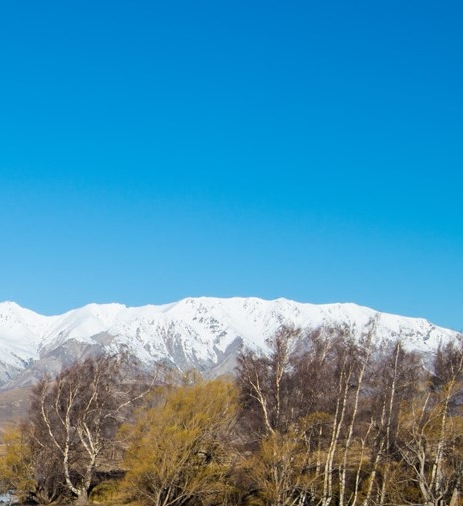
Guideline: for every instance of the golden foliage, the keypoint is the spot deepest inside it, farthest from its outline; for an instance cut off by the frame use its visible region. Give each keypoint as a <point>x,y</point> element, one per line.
<point>177,448</point>
<point>16,464</point>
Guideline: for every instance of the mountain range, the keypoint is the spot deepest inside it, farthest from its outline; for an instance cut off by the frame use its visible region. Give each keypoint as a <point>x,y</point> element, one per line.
<point>202,333</point>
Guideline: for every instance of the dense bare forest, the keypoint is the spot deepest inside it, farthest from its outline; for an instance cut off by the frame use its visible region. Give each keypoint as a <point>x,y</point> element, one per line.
<point>320,420</point>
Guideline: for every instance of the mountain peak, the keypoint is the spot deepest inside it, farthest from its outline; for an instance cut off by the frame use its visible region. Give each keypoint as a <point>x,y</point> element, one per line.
<point>203,332</point>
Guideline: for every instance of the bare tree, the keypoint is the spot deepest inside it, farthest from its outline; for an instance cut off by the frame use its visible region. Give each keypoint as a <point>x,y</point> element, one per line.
<point>74,419</point>
<point>263,382</point>
<point>395,377</point>
<point>317,381</point>
<point>432,429</point>
<point>340,419</point>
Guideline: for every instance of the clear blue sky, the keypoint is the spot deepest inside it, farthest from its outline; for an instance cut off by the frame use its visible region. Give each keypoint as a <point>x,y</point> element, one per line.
<point>151,151</point>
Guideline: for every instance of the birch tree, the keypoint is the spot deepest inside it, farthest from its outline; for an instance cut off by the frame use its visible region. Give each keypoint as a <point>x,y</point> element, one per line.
<point>431,431</point>
<point>74,419</point>
<point>397,377</point>
<point>263,382</point>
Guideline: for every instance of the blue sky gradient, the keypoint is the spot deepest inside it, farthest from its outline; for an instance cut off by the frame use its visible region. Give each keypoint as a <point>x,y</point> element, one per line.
<point>151,151</point>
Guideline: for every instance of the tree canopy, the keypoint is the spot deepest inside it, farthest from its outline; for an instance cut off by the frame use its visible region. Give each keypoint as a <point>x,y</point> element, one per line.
<point>322,419</point>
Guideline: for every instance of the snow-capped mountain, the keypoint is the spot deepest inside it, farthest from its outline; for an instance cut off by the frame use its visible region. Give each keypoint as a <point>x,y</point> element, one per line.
<point>205,333</point>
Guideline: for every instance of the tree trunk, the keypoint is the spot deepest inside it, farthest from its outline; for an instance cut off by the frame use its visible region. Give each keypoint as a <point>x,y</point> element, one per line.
<point>82,497</point>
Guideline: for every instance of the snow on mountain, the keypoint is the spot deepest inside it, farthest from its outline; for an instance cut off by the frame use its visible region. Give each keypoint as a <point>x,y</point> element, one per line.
<point>21,331</point>
<point>80,324</point>
<point>205,333</point>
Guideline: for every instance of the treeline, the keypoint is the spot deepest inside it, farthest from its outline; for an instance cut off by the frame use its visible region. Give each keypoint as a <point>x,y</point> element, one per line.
<point>323,419</point>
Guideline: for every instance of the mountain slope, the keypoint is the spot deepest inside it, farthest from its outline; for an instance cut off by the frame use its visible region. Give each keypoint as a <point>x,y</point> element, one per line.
<point>204,333</point>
